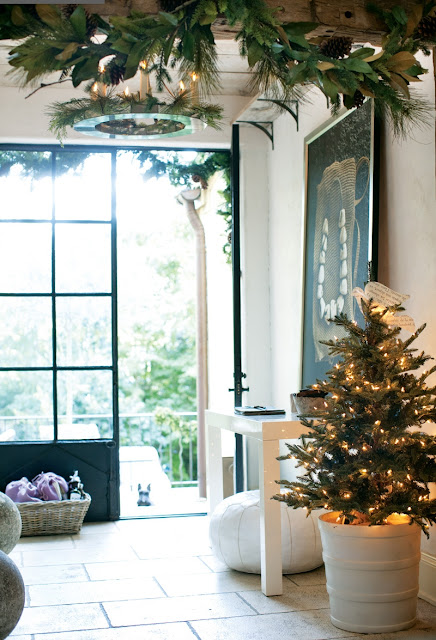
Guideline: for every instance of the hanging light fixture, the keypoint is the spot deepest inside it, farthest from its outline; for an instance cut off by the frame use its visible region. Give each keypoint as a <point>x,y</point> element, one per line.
<point>140,125</point>
<point>140,115</point>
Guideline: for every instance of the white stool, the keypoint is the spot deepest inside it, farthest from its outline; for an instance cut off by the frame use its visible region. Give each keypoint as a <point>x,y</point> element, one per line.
<point>235,535</point>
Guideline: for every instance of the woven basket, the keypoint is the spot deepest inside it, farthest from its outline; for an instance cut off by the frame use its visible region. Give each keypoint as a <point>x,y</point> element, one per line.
<point>51,517</point>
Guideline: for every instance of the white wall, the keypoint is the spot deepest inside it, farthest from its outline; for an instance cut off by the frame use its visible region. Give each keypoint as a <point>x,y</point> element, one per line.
<point>407,257</point>
<point>407,261</point>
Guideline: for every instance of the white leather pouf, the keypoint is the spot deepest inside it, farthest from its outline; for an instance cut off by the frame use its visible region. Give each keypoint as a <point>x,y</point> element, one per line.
<point>235,535</point>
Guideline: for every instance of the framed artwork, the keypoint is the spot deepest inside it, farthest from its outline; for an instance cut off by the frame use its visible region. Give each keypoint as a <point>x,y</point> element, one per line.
<point>341,228</point>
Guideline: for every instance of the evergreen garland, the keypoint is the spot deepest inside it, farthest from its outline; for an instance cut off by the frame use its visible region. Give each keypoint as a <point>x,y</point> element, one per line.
<point>361,457</point>
<point>282,56</point>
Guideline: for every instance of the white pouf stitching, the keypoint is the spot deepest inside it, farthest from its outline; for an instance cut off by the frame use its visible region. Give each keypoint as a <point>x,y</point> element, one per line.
<point>252,506</point>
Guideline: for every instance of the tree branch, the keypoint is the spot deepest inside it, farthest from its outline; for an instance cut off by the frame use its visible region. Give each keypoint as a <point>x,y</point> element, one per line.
<point>46,84</point>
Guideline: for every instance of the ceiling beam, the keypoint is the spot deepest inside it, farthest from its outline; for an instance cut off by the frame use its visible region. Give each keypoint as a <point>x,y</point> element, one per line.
<point>338,17</point>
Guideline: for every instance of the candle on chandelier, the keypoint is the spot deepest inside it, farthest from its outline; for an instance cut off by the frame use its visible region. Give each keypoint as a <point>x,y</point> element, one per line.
<point>144,81</point>
<point>99,88</point>
<point>194,88</point>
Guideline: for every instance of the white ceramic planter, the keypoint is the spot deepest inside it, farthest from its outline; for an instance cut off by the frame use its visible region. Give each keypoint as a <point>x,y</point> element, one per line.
<point>372,575</point>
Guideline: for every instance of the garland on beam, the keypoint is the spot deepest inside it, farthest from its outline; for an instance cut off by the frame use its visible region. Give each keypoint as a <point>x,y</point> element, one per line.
<point>179,42</point>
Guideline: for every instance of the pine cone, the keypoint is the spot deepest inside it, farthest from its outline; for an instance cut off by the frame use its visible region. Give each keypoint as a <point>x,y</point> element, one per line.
<point>68,9</point>
<point>336,47</point>
<point>169,5</point>
<point>426,29</point>
<point>91,25</point>
<point>116,72</point>
<point>91,21</point>
<point>359,99</point>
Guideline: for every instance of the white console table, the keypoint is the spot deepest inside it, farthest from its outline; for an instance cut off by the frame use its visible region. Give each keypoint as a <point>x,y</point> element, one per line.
<point>268,431</point>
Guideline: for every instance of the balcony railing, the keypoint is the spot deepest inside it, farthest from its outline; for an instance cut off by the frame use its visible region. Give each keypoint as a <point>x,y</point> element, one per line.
<point>175,440</point>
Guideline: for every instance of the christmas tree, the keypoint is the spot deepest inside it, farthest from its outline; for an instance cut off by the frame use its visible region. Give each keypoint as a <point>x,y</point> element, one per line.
<point>364,456</point>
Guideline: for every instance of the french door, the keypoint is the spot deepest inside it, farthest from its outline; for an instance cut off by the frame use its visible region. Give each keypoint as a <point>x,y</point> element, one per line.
<point>58,328</point>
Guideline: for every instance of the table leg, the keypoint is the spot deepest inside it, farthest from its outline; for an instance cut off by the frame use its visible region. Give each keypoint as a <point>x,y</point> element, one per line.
<point>215,467</point>
<point>270,519</point>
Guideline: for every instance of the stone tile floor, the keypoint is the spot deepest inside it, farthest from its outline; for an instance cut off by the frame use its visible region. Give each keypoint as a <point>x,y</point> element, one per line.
<point>157,579</point>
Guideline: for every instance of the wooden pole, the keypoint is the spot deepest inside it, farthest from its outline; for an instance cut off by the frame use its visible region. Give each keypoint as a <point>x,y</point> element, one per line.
<point>338,17</point>
<point>189,196</point>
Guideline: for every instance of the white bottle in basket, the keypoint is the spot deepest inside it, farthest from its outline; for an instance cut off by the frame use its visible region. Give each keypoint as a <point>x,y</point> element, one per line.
<point>75,494</point>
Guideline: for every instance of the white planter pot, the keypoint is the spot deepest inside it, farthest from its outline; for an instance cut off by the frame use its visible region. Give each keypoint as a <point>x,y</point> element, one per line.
<point>372,574</point>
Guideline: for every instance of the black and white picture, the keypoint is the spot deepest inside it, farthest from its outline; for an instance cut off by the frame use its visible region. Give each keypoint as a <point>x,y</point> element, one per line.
<point>340,229</point>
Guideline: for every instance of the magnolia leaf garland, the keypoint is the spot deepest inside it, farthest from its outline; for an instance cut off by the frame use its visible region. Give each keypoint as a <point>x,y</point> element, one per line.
<point>179,41</point>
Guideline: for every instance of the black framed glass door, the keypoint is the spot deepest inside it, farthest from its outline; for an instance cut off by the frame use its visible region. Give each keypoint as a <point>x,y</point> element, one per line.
<point>58,339</point>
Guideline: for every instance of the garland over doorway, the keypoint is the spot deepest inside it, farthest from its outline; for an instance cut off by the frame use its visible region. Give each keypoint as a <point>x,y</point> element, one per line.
<point>176,47</point>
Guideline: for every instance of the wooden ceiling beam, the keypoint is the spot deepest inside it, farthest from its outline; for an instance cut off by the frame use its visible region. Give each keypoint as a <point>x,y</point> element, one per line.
<point>335,17</point>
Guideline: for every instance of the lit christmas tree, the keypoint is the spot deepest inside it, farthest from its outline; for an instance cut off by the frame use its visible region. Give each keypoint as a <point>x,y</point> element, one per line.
<point>363,456</point>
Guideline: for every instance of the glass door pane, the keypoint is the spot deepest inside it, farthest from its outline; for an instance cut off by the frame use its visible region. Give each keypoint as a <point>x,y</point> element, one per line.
<point>88,177</point>
<point>83,258</point>
<point>84,331</point>
<point>25,257</point>
<point>26,406</point>
<point>84,405</point>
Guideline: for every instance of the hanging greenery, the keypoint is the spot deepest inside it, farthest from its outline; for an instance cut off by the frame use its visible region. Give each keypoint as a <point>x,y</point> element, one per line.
<point>282,56</point>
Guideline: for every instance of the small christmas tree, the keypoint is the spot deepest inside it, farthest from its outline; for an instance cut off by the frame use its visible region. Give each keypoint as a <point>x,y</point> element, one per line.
<point>363,456</point>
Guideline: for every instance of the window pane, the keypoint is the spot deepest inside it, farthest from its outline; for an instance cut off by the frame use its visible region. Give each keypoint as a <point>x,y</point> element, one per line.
<point>25,257</point>
<point>85,405</point>
<point>25,184</point>
<point>26,408</point>
<point>83,258</point>
<point>90,182</point>
<point>83,332</point>
<point>26,332</point>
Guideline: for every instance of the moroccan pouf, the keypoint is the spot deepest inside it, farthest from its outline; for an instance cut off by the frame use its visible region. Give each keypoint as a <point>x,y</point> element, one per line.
<point>10,524</point>
<point>235,535</point>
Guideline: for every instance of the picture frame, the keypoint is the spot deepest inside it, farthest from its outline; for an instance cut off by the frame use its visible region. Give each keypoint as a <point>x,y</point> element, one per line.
<point>341,229</point>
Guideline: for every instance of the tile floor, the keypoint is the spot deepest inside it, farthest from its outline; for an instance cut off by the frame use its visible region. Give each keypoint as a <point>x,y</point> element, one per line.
<point>158,580</point>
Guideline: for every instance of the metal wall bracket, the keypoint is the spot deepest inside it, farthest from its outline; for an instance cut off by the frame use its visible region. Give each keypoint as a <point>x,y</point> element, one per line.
<point>266,127</point>
<point>286,106</point>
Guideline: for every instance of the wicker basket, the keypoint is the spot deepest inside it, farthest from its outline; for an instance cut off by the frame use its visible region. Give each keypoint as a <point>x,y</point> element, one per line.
<point>51,517</point>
